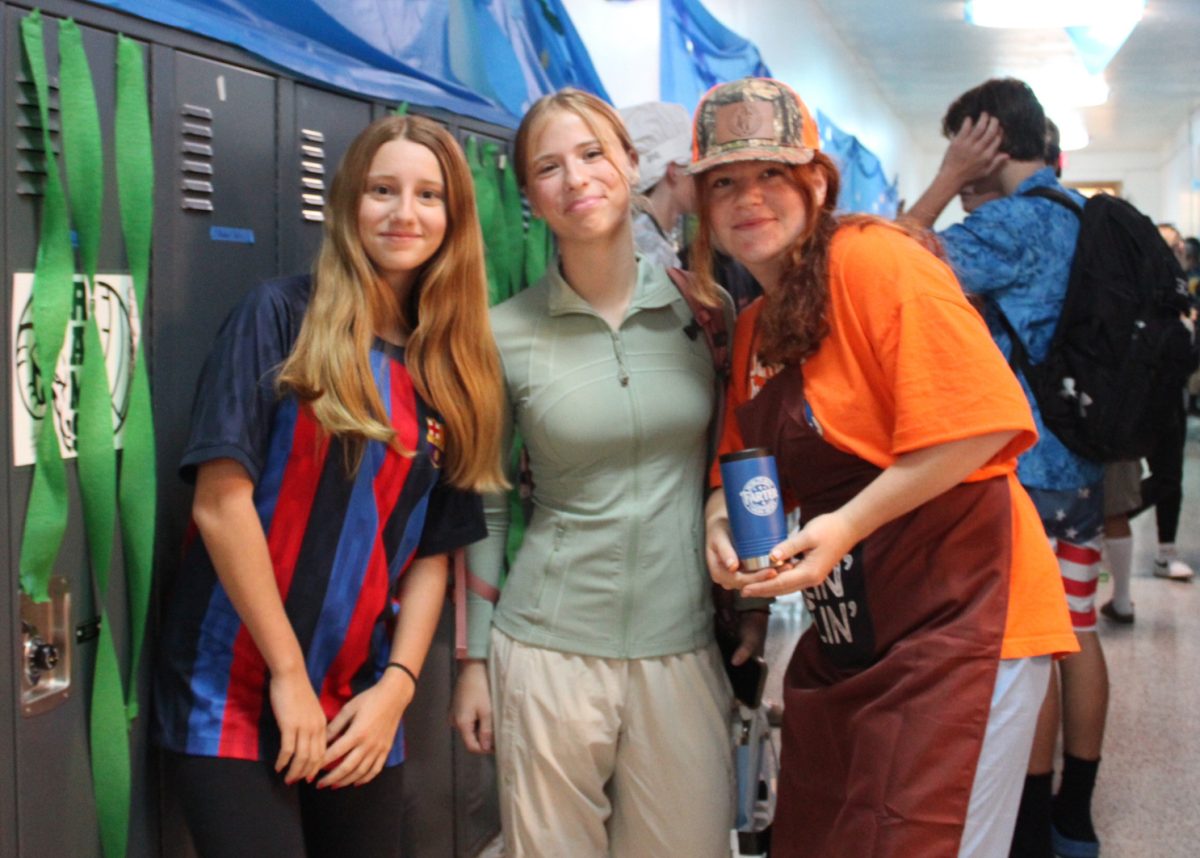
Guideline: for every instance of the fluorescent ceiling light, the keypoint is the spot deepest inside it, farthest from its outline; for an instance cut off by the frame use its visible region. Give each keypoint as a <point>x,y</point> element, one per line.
<point>1067,85</point>
<point>1053,14</point>
<point>1072,132</point>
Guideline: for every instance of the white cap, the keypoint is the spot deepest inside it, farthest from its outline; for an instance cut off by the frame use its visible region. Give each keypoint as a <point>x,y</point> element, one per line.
<point>662,134</point>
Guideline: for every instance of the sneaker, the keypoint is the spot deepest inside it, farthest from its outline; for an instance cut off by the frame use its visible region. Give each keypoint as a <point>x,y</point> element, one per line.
<point>1173,570</point>
<point>1110,610</point>
<point>1066,847</point>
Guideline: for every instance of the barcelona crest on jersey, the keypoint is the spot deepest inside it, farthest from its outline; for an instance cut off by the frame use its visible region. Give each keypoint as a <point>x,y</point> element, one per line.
<point>435,434</point>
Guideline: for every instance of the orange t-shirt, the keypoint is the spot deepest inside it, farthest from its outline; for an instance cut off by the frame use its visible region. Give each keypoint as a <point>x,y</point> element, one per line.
<point>909,364</point>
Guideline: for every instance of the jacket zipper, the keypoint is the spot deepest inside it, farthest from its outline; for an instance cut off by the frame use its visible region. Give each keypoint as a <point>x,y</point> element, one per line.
<point>632,578</point>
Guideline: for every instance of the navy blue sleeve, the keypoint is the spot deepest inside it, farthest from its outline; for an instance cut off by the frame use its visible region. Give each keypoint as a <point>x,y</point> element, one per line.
<point>235,396</point>
<point>453,519</point>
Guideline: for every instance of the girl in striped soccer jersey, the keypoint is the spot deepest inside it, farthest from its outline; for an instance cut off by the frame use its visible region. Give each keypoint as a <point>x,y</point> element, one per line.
<point>342,425</point>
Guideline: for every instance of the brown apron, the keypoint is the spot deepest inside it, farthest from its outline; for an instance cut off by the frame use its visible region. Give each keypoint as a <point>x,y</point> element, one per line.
<point>887,695</point>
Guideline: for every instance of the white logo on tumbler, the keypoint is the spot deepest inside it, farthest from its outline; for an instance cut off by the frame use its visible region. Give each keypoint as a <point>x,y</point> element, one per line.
<point>759,496</point>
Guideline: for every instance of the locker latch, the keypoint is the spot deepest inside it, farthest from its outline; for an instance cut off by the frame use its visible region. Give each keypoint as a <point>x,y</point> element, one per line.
<point>46,650</point>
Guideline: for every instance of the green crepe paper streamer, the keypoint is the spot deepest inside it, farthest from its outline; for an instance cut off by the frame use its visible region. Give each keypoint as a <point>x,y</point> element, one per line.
<point>108,728</point>
<point>138,485</point>
<point>487,201</point>
<point>53,290</point>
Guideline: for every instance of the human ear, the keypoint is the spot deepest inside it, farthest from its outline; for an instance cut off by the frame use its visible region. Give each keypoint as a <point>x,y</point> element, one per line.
<point>633,175</point>
<point>819,187</point>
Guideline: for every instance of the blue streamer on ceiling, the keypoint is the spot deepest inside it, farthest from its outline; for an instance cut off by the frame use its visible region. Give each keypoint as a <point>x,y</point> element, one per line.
<point>489,59</point>
<point>698,52</point>
<point>864,187</point>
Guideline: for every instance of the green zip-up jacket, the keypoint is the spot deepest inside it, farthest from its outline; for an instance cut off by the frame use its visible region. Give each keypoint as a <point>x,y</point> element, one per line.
<point>615,423</point>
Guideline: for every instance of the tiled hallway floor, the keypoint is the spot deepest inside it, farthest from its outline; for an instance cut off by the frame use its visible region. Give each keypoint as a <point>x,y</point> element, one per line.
<point>1146,797</point>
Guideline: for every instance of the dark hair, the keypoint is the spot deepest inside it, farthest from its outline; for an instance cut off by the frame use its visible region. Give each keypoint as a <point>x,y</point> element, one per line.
<point>1193,249</point>
<point>1013,103</point>
<point>1053,147</point>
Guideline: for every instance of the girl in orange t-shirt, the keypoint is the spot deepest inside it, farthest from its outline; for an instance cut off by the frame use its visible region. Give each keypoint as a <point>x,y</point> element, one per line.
<point>910,704</point>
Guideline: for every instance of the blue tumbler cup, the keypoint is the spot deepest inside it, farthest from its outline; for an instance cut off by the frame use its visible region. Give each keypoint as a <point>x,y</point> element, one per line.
<point>755,505</point>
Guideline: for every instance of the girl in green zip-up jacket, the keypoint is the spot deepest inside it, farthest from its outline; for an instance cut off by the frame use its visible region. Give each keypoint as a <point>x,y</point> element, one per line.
<point>596,672</point>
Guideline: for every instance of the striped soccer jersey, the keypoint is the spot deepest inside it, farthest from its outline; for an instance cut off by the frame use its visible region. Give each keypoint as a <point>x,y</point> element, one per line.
<point>339,543</point>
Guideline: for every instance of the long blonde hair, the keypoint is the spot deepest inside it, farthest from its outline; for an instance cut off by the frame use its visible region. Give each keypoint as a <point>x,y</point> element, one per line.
<point>450,354</point>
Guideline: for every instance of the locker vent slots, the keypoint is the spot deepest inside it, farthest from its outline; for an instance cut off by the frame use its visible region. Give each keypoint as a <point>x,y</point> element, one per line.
<point>31,154</point>
<point>312,175</point>
<point>197,134</point>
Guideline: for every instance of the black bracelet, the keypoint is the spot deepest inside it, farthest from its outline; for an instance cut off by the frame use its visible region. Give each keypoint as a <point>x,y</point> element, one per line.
<point>400,666</point>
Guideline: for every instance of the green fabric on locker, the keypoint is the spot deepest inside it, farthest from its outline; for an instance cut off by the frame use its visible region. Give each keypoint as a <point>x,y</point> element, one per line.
<point>137,482</point>
<point>111,709</point>
<point>509,242</point>
<point>53,293</point>
<point>108,727</point>
<point>487,201</point>
<point>539,250</point>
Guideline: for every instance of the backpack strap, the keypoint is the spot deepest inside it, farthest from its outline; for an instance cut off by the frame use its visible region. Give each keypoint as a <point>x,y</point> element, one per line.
<point>1055,196</point>
<point>1019,358</point>
<point>714,322</point>
<point>711,320</point>
<point>1020,355</point>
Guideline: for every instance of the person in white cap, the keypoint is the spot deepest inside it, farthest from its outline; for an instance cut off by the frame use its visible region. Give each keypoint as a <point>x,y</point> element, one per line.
<point>662,135</point>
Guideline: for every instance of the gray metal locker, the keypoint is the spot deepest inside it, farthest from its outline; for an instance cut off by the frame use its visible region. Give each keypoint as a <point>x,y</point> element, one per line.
<point>215,237</point>
<point>316,128</point>
<point>450,808</point>
<point>49,749</point>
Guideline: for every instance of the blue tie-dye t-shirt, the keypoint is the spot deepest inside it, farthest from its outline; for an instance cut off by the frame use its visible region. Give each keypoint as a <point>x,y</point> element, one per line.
<point>1015,252</point>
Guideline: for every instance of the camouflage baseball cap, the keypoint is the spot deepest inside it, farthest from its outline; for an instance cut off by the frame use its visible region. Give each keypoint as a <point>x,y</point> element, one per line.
<point>752,119</point>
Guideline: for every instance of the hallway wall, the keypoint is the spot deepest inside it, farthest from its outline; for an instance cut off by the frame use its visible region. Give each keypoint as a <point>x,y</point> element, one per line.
<point>1181,177</point>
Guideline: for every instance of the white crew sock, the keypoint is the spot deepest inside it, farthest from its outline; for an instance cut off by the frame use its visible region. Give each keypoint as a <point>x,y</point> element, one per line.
<point>1119,553</point>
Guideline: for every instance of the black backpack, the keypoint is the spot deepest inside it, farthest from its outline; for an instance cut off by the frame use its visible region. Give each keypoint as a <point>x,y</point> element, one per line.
<point>1120,356</point>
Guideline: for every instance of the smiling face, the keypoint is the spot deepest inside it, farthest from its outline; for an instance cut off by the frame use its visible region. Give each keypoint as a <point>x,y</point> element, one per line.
<point>578,178</point>
<point>757,214</point>
<point>402,211</point>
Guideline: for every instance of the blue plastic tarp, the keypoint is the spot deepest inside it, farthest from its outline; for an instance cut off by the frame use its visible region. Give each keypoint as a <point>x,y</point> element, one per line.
<point>489,59</point>
<point>864,187</point>
<point>698,52</point>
